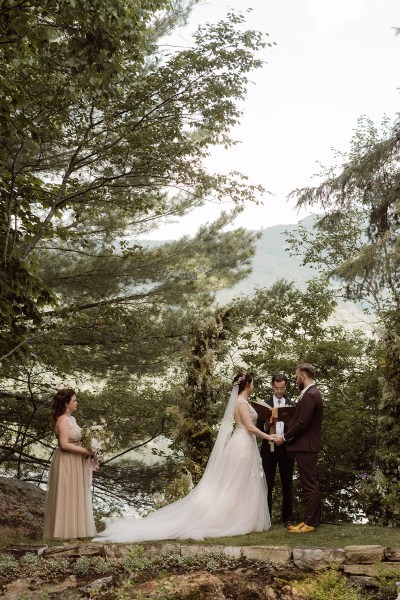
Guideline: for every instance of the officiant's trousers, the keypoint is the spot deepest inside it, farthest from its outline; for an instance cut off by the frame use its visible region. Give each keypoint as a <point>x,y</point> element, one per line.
<point>271,460</point>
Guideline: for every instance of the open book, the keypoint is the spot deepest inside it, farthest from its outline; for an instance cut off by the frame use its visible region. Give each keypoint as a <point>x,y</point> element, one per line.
<point>266,412</point>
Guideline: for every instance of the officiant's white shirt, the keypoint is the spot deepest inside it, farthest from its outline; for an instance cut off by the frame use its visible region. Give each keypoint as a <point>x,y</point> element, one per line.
<point>280,425</point>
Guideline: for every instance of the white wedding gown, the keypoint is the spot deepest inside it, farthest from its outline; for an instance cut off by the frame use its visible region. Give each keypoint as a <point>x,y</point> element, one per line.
<point>230,499</point>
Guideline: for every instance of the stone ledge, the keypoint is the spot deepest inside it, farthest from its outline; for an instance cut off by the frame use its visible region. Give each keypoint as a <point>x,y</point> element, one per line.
<point>234,551</point>
<point>273,554</point>
<point>380,569</point>
<point>317,559</point>
<point>364,555</point>
<point>355,561</point>
<point>392,554</point>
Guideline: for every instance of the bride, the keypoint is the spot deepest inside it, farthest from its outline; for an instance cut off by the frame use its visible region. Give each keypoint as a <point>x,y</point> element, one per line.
<point>231,497</point>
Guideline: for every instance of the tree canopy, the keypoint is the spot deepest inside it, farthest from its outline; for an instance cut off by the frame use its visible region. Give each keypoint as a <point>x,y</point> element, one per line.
<point>104,134</point>
<point>356,243</point>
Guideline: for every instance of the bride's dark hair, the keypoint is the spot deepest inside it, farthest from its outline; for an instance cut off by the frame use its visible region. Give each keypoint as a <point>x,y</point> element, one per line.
<point>60,399</point>
<point>242,379</point>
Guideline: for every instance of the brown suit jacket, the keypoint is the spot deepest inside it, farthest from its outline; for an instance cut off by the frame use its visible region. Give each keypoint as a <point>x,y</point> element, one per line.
<point>304,428</point>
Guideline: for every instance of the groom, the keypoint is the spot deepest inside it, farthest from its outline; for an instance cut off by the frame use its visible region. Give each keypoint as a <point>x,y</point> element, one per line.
<point>303,441</point>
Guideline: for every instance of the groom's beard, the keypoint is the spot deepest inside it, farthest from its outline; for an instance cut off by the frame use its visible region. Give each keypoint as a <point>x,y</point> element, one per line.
<point>301,385</point>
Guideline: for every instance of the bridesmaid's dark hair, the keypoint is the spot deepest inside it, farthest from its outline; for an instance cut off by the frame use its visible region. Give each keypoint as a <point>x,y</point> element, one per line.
<point>60,399</point>
<point>242,379</point>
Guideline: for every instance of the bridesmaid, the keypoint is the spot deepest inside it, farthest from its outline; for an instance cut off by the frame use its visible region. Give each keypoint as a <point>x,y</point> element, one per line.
<point>68,509</point>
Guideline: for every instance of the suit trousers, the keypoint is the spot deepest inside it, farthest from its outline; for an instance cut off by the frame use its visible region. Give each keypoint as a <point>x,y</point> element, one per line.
<point>308,472</point>
<point>272,460</point>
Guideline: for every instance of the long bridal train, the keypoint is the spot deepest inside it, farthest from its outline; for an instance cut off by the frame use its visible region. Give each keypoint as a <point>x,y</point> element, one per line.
<point>230,499</point>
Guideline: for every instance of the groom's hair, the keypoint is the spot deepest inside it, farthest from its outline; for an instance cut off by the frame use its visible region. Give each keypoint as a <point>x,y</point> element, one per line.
<point>308,369</point>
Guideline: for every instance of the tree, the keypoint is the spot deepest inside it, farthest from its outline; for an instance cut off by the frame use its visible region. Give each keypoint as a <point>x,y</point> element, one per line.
<point>355,240</point>
<point>96,151</point>
<point>204,394</point>
<point>115,162</point>
<point>284,327</point>
<point>356,243</point>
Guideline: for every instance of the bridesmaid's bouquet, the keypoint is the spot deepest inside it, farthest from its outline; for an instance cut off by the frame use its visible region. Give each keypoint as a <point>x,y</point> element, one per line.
<point>100,441</point>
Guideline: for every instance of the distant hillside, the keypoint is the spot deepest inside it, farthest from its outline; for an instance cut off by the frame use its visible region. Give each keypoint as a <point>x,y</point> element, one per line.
<point>272,262</point>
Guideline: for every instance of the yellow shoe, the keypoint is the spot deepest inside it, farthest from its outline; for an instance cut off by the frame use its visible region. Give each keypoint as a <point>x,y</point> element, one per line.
<point>294,527</point>
<point>303,529</point>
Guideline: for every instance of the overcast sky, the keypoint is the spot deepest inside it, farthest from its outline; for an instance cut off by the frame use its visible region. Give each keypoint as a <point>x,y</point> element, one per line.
<point>334,61</point>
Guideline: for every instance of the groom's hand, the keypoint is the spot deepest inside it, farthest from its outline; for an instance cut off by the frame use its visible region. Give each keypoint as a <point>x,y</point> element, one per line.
<point>278,439</point>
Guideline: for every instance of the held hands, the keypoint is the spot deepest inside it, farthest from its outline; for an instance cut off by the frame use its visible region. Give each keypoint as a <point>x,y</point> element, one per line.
<point>277,439</point>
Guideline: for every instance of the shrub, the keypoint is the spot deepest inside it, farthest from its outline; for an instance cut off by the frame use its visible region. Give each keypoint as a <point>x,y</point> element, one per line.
<point>333,586</point>
<point>8,565</point>
<point>135,562</point>
<point>81,566</point>
<point>101,566</point>
<point>29,559</point>
<point>57,566</point>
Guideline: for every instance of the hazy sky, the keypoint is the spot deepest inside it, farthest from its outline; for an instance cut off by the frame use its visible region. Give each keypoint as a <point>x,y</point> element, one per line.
<point>334,61</point>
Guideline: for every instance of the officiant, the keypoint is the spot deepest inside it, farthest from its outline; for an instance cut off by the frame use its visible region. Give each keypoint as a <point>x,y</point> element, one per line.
<point>274,456</point>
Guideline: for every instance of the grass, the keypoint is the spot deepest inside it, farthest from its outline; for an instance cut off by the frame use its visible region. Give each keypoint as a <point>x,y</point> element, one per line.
<point>326,536</point>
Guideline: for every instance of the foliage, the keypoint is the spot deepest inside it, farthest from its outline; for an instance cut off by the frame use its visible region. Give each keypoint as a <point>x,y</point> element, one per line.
<point>203,395</point>
<point>57,566</point>
<point>101,566</point>
<point>356,243</point>
<point>179,487</point>
<point>381,490</point>
<point>104,135</point>
<point>81,566</point>
<point>134,560</point>
<point>8,565</point>
<point>89,162</point>
<point>386,588</point>
<point>284,327</point>
<point>29,559</point>
<point>213,562</point>
<point>332,586</point>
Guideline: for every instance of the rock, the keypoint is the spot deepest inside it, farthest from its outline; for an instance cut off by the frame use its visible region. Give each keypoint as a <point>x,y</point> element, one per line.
<point>117,551</point>
<point>99,584</point>
<point>150,550</point>
<point>270,593</point>
<point>289,592</point>
<point>200,585</point>
<point>20,549</point>
<point>362,581</point>
<point>74,550</point>
<point>17,589</point>
<point>194,549</point>
<point>21,507</point>
<point>28,588</point>
<point>317,559</point>
<point>234,551</point>
<point>363,555</point>
<point>392,554</point>
<point>270,554</point>
<point>383,569</point>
